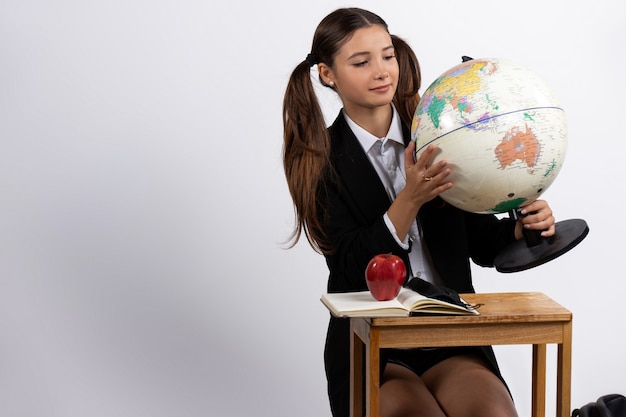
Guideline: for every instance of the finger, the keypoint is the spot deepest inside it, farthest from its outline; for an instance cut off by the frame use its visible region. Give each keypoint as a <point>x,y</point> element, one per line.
<point>537,221</point>
<point>443,187</point>
<point>409,155</point>
<point>534,207</point>
<point>546,225</point>
<point>427,156</point>
<point>550,232</point>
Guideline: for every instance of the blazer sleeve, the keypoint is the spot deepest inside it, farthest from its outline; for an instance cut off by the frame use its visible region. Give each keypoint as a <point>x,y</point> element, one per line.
<point>353,200</point>
<point>356,235</point>
<point>488,236</point>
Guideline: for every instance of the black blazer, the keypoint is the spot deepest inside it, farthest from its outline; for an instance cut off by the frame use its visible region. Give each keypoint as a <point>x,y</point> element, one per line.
<point>354,200</point>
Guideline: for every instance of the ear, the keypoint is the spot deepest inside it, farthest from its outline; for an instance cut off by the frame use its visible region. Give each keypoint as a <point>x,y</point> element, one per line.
<point>326,73</point>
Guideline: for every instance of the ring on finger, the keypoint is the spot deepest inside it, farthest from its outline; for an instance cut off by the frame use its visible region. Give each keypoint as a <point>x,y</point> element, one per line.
<point>425,178</point>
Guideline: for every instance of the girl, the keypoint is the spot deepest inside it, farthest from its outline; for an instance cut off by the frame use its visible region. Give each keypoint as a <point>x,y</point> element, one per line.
<point>358,192</point>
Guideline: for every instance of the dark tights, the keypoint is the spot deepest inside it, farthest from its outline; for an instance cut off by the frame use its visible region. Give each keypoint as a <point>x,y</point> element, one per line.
<point>460,386</point>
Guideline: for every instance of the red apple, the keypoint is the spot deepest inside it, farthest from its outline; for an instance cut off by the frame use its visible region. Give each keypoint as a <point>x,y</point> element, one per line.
<point>385,275</point>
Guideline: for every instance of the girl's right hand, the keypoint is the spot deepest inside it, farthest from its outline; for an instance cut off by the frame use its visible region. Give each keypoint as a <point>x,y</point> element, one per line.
<point>425,180</point>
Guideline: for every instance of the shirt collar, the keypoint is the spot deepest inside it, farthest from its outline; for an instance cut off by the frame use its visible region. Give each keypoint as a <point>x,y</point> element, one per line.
<point>367,140</point>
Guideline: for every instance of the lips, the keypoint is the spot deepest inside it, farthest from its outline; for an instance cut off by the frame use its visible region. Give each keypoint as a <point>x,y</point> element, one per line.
<point>382,88</point>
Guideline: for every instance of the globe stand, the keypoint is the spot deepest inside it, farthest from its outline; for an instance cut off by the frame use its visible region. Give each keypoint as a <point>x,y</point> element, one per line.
<point>535,250</point>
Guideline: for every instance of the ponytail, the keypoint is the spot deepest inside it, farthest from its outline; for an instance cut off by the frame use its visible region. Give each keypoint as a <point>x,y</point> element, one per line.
<point>306,153</point>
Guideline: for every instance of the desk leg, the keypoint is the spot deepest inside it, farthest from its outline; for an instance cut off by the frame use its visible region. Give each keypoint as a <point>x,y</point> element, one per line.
<point>564,373</point>
<point>356,373</point>
<point>539,381</point>
<point>372,369</point>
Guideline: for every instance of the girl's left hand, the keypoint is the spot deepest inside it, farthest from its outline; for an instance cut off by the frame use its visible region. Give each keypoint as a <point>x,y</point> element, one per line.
<point>536,216</point>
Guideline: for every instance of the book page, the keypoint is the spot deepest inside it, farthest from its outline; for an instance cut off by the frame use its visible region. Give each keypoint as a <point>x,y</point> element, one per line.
<point>362,300</point>
<point>362,303</point>
<point>409,298</point>
<point>415,301</point>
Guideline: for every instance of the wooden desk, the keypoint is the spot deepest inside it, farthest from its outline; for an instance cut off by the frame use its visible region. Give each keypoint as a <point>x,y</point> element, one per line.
<point>505,319</point>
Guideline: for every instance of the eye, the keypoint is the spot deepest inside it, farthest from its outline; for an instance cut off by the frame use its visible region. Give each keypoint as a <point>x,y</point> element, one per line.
<point>390,57</point>
<point>360,64</point>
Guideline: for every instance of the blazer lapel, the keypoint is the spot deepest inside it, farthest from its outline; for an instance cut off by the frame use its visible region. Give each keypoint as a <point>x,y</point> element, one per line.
<point>356,171</point>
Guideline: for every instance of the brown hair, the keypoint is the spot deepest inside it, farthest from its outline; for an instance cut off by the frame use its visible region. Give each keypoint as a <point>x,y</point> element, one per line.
<point>306,148</point>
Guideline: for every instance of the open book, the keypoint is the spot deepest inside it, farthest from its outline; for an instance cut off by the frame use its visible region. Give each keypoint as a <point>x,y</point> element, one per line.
<point>407,303</point>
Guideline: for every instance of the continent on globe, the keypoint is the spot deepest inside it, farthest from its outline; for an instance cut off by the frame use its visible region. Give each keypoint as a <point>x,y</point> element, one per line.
<point>518,145</point>
<point>455,89</point>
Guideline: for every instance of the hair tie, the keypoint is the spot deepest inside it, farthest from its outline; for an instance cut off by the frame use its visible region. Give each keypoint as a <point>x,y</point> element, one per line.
<point>312,59</point>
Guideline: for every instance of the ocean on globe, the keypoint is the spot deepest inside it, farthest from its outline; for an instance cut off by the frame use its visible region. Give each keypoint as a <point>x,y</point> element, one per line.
<point>501,129</point>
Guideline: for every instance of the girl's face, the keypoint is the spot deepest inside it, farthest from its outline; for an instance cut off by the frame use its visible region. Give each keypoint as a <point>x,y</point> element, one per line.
<point>366,71</point>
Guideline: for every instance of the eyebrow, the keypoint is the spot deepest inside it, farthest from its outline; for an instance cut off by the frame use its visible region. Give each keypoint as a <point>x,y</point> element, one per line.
<point>357,54</point>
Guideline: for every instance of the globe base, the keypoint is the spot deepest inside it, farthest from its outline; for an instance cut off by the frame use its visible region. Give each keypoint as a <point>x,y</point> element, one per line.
<point>523,254</point>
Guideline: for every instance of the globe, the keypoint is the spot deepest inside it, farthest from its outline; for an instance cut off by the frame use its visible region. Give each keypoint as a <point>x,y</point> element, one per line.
<point>501,129</point>
<point>503,133</point>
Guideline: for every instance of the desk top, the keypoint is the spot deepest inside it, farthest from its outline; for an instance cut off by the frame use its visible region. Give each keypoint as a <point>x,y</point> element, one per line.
<point>513,307</point>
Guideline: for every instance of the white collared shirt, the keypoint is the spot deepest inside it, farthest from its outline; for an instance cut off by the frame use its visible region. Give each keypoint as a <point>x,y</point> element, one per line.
<point>387,157</point>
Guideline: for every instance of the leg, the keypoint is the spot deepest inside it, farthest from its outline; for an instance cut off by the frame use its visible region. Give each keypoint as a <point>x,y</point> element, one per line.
<point>464,386</point>
<point>404,394</point>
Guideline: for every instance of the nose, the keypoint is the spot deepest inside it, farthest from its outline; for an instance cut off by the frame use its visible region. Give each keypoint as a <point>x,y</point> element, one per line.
<point>382,71</point>
<point>381,75</point>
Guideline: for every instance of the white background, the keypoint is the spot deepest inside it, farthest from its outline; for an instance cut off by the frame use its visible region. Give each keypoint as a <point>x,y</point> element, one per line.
<point>143,204</point>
